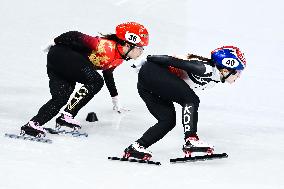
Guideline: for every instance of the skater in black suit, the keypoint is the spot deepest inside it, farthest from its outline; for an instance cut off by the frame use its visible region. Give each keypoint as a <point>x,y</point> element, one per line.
<point>164,79</point>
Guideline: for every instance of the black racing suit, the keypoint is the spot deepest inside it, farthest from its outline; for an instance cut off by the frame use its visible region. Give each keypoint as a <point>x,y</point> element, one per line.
<point>68,63</point>
<point>159,88</point>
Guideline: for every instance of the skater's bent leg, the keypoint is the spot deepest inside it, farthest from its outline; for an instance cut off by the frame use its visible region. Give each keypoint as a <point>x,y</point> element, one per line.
<point>163,111</point>
<point>92,86</point>
<point>190,104</point>
<point>189,119</point>
<point>171,88</point>
<point>80,70</point>
<point>60,90</point>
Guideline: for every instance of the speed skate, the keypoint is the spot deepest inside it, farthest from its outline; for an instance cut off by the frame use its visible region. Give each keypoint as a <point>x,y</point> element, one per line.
<point>192,146</point>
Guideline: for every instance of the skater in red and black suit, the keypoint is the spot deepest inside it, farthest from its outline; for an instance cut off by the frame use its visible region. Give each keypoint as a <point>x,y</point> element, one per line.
<point>75,58</point>
<point>163,80</point>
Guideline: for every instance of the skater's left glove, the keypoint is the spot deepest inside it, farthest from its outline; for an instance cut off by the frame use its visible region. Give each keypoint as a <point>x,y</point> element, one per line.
<point>117,106</point>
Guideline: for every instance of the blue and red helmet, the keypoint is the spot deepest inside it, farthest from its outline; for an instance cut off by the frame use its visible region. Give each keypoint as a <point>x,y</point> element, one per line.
<point>229,57</point>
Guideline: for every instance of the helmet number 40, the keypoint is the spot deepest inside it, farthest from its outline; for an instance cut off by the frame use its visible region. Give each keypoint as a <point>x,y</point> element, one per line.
<point>230,62</point>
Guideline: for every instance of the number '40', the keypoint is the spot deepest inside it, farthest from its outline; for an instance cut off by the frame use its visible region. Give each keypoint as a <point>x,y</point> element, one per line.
<point>230,62</point>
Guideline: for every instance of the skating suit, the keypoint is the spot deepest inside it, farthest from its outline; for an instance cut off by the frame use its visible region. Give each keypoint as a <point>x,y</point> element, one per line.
<point>101,52</point>
<point>163,80</point>
<point>75,58</point>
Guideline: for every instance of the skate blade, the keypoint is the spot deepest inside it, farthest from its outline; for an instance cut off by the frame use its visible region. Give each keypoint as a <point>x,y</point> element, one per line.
<point>133,160</point>
<point>30,138</point>
<point>199,158</point>
<point>66,128</point>
<point>66,132</point>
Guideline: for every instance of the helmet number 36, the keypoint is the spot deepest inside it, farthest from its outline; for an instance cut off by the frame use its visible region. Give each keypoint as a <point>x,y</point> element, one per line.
<point>230,62</point>
<point>132,37</point>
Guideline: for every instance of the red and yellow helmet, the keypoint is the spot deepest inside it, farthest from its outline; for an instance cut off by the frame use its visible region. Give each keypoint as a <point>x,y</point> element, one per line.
<point>133,32</point>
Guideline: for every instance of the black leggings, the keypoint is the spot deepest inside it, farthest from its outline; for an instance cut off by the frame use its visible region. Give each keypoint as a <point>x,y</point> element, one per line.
<point>159,89</point>
<point>65,67</point>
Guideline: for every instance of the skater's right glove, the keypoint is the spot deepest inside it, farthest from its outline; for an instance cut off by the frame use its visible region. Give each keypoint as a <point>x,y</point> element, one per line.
<point>117,106</point>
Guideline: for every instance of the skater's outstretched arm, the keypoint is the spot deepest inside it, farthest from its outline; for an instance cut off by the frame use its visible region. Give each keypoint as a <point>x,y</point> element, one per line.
<point>193,66</point>
<point>110,83</point>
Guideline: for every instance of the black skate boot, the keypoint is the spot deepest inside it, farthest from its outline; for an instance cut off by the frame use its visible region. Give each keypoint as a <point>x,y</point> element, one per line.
<point>193,144</point>
<point>33,129</point>
<point>135,150</point>
<point>67,120</point>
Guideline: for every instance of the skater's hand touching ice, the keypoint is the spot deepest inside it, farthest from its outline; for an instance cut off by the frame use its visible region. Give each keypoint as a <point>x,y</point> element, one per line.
<point>117,106</point>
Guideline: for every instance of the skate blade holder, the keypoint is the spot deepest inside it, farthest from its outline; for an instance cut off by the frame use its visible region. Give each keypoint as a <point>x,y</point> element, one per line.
<point>192,154</point>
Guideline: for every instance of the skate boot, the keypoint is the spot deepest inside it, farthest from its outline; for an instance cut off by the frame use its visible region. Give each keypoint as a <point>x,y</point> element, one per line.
<point>193,144</point>
<point>67,120</point>
<point>135,150</point>
<point>33,129</point>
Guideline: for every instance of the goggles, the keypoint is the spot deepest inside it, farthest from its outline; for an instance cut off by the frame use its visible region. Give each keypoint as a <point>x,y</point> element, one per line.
<point>232,72</point>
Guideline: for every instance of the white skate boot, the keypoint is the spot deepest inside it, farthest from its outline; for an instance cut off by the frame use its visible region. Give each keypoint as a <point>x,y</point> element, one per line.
<point>193,144</point>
